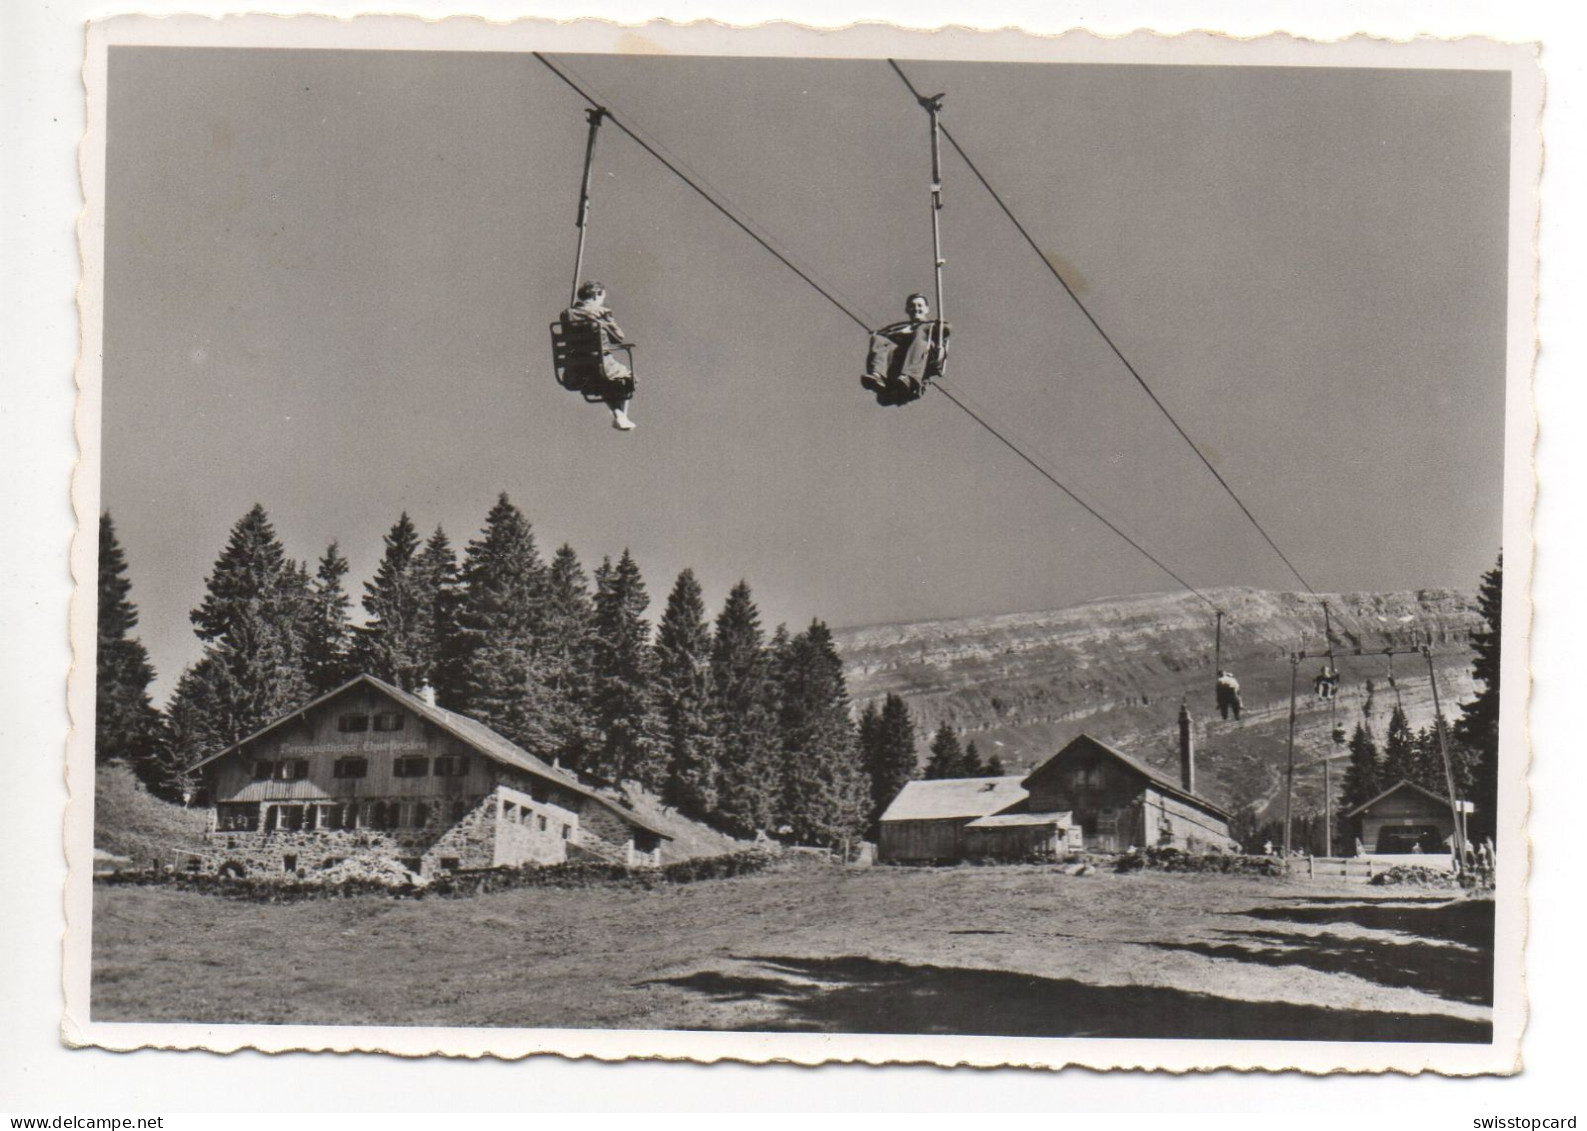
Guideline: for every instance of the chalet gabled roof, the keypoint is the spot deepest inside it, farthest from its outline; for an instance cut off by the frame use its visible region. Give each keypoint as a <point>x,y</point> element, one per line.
<point>1162,781</point>
<point>1403,783</point>
<point>954,798</point>
<point>471,732</point>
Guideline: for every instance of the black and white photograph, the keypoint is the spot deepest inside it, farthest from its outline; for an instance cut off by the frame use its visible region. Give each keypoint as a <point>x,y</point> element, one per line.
<point>712,542</point>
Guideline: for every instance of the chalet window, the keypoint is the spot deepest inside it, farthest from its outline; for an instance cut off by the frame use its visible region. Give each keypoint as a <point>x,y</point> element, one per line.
<point>388,720</point>
<point>270,819</point>
<point>288,769</point>
<point>290,818</point>
<point>311,817</point>
<point>289,863</point>
<point>450,863</point>
<point>411,766</point>
<point>459,809</point>
<point>237,817</point>
<point>420,817</point>
<point>542,822</point>
<point>567,832</point>
<point>263,771</point>
<point>300,769</point>
<point>351,767</point>
<point>451,766</point>
<point>352,724</point>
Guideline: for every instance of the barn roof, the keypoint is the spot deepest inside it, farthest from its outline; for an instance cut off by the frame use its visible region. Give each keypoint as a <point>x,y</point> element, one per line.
<point>473,733</point>
<point>1022,821</point>
<point>951,798</point>
<point>1403,783</point>
<point>1162,781</point>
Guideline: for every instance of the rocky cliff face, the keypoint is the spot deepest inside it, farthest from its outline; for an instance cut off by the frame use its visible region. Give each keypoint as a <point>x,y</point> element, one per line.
<point>1023,684</point>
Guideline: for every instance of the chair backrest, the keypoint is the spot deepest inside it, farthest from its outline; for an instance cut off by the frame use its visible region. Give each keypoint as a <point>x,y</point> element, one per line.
<point>575,341</point>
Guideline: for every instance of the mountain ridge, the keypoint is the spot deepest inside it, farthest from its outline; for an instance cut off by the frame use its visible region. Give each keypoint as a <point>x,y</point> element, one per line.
<point>1022,684</point>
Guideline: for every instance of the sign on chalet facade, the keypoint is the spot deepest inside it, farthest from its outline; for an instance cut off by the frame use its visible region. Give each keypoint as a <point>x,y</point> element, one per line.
<point>372,769</point>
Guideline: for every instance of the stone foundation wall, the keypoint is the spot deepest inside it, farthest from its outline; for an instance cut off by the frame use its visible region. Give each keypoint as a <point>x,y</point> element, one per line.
<point>531,832</point>
<point>470,841</point>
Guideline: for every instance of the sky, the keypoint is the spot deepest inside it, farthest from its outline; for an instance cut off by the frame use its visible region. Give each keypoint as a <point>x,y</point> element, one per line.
<point>329,276</point>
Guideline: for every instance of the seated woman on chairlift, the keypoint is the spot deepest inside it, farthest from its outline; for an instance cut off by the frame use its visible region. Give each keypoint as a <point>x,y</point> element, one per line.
<point>590,307</point>
<point>906,355</point>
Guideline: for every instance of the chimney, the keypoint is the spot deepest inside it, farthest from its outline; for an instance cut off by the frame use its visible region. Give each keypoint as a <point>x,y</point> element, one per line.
<point>427,693</point>
<point>1187,751</point>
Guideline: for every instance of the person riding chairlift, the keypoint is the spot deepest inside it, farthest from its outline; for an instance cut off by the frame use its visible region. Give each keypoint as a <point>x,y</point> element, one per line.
<point>591,307</point>
<point>1228,692</point>
<point>897,380</point>
<point>1326,683</point>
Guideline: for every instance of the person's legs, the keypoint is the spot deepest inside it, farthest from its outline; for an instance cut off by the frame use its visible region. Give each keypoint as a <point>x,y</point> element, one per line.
<point>878,361</point>
<point>620,383</point>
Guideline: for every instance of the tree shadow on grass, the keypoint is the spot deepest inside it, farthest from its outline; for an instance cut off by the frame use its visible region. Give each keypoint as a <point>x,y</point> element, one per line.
<point>867,995</point>
<point>1465,921</point>
<point>1455,973</point>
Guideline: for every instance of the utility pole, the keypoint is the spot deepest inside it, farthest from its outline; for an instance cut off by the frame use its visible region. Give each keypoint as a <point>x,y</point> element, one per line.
<point>1289,773</point>
<point>1458,835</point>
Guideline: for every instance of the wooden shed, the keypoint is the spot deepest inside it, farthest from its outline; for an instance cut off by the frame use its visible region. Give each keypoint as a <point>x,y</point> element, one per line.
<point>1120,803</point>
<point>1022,836</point>
<point>926,821</point>
<point>1404,819</point>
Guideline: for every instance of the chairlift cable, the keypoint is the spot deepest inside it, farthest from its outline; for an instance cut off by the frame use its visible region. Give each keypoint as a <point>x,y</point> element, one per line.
<point>1117,352</point>
<point>707,197</point>
<point>1087,507</point>
<point>607,115</point>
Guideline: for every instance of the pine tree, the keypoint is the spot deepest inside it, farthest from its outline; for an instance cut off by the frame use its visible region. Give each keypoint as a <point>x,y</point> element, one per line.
<point>824,794</point>
<point>1477,730</point>
<point>566,654</point>
<point>746,729</point>
<point>888,745</point>
<point>683,687</point>
<point>395,643</point>
<point>947,755</point>
<point>435,567</point>
<point>1363,779</point>
<point>993,767</point>
<point>127,727</point>
<point>327,646</point>
<point>1400,756</point>
<point>624,700</point>
<point>498,676</point>
<point>973,766</point>
<point>252,622</point>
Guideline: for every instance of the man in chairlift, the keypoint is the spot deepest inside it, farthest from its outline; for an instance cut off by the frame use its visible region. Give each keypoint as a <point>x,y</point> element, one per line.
<point>591,307</point>
<point>1228,695</point>
<point>900,378</point>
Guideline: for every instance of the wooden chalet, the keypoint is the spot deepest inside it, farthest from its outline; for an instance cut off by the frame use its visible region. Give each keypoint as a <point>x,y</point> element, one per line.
<point>1088,795</point>
<point>1120,803</point>
<point>1404,819</point>
<point>371,769</point>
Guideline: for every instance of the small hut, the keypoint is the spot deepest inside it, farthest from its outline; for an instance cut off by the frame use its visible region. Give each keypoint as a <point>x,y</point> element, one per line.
<point>1404,819</point>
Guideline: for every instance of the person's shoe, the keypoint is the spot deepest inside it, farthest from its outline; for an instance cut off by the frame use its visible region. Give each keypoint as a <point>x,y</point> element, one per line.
<point>874,382</point>
<point>621,422</point>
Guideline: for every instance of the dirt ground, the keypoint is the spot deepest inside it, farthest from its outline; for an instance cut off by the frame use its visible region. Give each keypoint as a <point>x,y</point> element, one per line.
<point>1021,951</point>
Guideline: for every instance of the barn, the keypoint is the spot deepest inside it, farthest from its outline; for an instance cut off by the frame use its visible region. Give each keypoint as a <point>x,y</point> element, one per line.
<point>370,769</point>
<point>1404,819</point>
<point>1120,803</point>
<point>928,820</point>
<point>1088,795</point>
